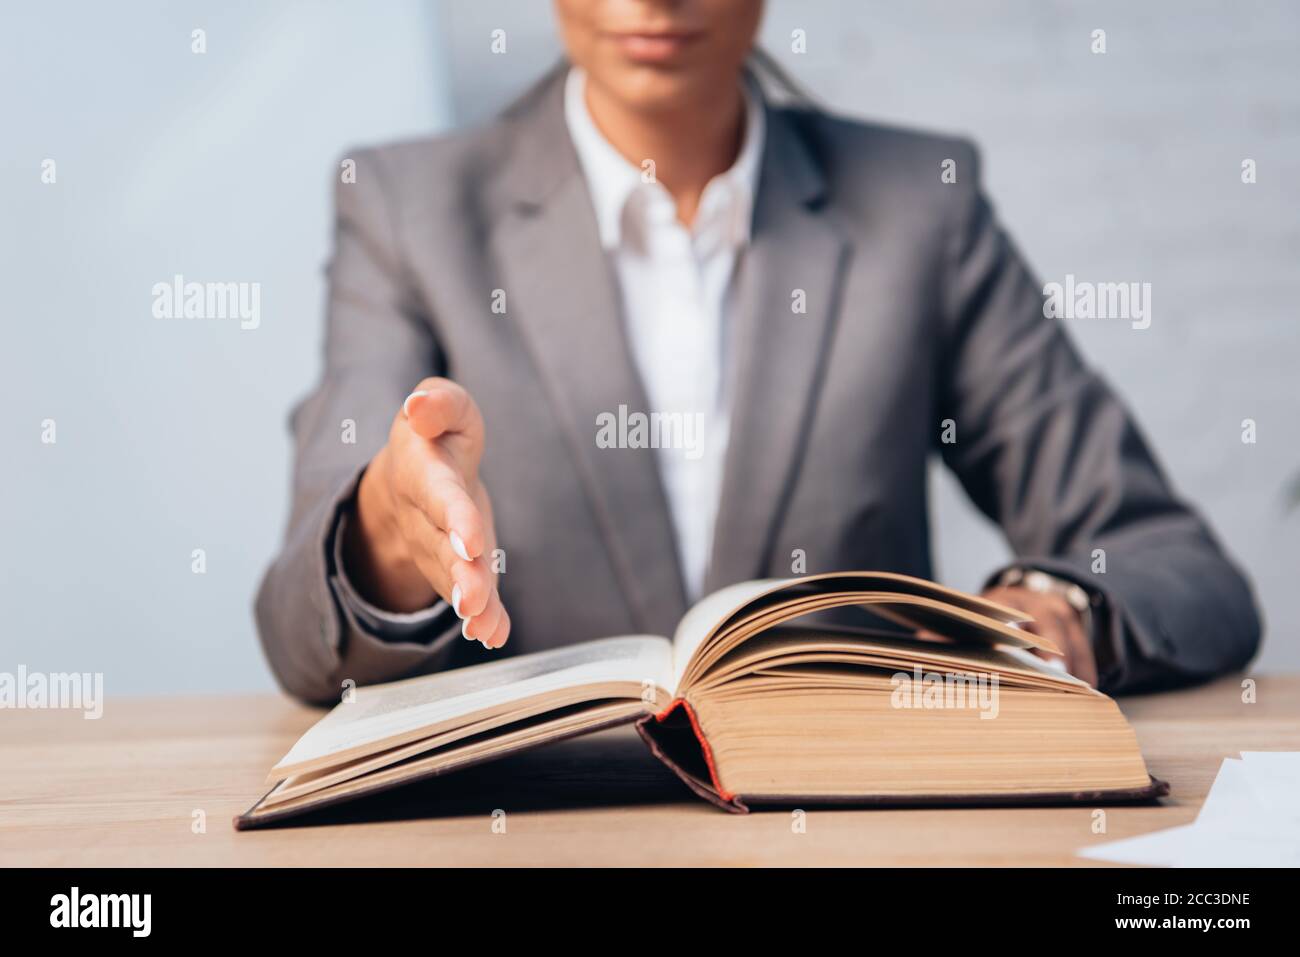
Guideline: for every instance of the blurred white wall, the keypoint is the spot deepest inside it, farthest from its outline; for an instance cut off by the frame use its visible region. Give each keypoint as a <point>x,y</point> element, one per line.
<point>171,434</point>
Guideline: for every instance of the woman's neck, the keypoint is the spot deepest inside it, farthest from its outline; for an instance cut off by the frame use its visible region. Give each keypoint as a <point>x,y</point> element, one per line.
<point>689,145</point>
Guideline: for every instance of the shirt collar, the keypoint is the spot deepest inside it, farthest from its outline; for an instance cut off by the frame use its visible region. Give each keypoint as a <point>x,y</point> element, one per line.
<point>612,179</point>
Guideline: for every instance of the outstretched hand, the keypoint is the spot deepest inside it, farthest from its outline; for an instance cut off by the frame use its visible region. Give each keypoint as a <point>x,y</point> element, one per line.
<point>424,521</point>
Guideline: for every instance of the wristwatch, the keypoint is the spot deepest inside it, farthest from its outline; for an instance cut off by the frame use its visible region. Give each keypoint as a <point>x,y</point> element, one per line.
<point>1035,580</point>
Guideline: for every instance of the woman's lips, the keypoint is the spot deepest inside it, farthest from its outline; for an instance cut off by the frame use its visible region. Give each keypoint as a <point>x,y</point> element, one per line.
<point>653,47</point>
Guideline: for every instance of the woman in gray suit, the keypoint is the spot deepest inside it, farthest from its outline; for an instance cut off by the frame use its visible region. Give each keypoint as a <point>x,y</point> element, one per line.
<point>650,333</point>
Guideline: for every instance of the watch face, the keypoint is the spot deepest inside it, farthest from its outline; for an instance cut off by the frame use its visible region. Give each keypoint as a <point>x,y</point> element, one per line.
<point>1044,583</point>
<point>1078,598</point>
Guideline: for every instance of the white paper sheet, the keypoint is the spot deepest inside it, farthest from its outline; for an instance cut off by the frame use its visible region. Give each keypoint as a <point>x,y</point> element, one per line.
<point>1250,818</point>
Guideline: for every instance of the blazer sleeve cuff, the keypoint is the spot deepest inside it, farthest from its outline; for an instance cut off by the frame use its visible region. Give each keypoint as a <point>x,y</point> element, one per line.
<point>417,627</point>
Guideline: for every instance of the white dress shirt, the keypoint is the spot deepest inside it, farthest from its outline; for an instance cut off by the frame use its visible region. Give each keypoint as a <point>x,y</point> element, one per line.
<point>677,295</point>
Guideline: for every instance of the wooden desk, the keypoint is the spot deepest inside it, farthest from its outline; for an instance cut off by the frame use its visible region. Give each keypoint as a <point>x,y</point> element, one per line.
<point>122,791</point>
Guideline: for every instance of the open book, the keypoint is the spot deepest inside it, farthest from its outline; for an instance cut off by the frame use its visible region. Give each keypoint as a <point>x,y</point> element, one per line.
<point>750,708</point>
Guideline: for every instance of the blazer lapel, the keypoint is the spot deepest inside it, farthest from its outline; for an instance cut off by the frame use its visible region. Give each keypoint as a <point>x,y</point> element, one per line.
<point>563,295</point>
<point>796,252</point>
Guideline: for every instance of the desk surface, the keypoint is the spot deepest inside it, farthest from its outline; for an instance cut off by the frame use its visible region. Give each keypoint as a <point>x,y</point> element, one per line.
<point>123,790</point>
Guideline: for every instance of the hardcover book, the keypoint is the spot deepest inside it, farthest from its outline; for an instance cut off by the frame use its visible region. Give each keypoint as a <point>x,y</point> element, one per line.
<point>751,705</point>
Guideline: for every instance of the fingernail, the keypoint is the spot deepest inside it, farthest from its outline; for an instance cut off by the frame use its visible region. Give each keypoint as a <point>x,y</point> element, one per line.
<point>406,406</point>
<point>464,626</point>
<point>455,601</point>
<point>458,546</point>
<point>483,642</point>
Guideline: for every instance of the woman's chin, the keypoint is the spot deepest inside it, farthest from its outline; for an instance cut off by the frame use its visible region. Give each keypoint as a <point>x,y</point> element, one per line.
<point>656,88</point>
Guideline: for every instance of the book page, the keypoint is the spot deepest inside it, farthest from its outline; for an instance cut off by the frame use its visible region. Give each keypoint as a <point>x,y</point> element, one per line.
<point>380,712</point>
<point>787,645</point>
<point>918,603</point>
<point>706,614</point>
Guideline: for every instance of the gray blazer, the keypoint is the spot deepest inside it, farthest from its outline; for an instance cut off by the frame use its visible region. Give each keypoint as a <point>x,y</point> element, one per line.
<point>918,310</point>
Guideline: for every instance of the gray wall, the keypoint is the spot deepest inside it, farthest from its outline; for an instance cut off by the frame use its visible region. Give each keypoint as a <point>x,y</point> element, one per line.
<point>171,434</point>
